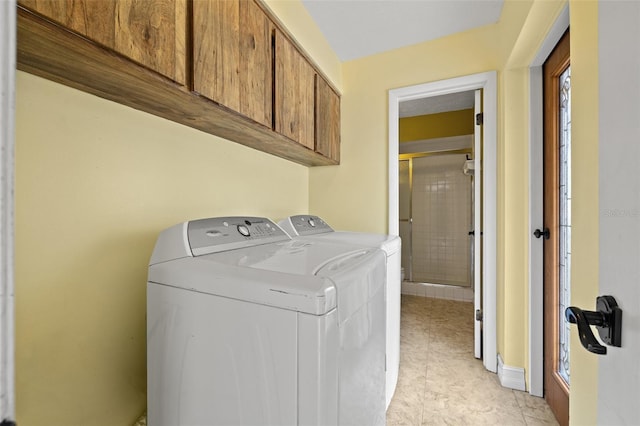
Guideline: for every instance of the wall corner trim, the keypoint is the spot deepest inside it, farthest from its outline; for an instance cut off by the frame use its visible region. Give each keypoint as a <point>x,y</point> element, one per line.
<point>511,377</point>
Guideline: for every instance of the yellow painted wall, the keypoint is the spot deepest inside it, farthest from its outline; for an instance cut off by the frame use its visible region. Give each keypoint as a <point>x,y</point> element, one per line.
<point>298,22</point>
<point>354,194</point>
<point>95,184</point>
<point>584,198</point>
<point>440,125</point>
<point>97,181</point>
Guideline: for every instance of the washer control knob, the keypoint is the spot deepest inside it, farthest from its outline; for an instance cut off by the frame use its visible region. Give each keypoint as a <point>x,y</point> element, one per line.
<point>243,230</point>
<point>312,223</point>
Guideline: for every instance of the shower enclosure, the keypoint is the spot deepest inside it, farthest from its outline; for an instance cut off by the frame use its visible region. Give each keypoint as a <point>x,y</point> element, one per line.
<point>436,217</point>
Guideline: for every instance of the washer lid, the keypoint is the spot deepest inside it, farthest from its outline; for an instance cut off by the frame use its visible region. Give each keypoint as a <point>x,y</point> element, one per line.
<point>303,293</point>
<point>299,257</point>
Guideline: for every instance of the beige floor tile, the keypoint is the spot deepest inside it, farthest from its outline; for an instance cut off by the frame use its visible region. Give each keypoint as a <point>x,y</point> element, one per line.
<point>440,381</point>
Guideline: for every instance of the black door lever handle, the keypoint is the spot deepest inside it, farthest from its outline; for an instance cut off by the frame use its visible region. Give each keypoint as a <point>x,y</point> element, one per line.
<point>584,319</point>
<point>607,319</point>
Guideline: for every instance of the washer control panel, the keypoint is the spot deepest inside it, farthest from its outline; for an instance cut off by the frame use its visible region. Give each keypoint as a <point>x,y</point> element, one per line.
<point>309,225</point>
<point>228,233</point>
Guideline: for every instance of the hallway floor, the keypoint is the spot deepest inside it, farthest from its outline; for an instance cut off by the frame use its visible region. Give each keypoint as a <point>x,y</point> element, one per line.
<point>440,381</point>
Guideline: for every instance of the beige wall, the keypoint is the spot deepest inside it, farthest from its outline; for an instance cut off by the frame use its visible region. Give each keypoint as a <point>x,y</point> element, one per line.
<point>95,183</point>
<point>584,209</point>
<point>354,195</point>
<point>298,22</point>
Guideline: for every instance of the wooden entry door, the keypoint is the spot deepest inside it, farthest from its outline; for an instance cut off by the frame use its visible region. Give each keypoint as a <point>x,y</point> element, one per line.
<point>557,227</point>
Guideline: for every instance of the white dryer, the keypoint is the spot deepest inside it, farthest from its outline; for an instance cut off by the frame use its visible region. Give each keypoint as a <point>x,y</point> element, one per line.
<point>246,326</point>
<point>313,228</point>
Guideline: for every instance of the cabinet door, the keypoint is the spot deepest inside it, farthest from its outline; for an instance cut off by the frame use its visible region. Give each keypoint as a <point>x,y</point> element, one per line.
<point>294,93</point>
<point>233,63</point>
<point>327,120</point>
<point>150,32</point>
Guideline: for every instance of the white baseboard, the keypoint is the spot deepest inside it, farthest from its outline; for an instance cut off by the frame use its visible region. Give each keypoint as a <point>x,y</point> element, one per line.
<point>511,377</point>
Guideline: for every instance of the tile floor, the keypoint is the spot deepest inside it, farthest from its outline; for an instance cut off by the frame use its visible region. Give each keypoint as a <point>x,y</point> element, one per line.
<point>441,383</point>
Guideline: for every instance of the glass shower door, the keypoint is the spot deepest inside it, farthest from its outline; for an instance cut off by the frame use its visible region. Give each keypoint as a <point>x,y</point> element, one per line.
<point>441,219</point>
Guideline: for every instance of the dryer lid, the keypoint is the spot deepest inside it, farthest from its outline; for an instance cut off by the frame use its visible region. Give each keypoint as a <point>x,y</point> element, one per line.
<point>389,243</point>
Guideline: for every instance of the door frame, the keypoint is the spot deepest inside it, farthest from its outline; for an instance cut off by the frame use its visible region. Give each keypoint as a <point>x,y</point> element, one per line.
<point>536,131</point>
<point>7,144</point>
<point>488,82</point>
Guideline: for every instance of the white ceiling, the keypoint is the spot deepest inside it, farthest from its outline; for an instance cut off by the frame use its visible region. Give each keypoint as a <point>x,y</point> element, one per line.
<point>358,28</point>
<point>436,104</point>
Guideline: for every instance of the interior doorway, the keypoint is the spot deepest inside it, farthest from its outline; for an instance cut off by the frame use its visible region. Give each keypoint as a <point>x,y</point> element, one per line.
<point>486,302</point>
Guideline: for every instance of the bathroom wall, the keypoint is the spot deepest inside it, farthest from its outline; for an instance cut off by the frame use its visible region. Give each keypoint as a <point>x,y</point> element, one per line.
<point>441,200</point>
<point>440,125</point>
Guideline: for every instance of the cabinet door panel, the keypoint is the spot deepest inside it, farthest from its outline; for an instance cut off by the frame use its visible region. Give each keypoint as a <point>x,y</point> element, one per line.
<point>153,33</point>
<point>150,32</point>
<point>93,19</point>
<point>233,63</point>
<point>327,120</point>
<point>294,93</point>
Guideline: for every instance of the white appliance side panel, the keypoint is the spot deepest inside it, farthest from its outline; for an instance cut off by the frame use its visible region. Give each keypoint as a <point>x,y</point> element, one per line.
<point>361,304</point>
<point>172,244</point>
<point>212,360</point>
<point>318,369</point>
<point>362,364</point>
<point>356,280</point>
<point>393,323</point>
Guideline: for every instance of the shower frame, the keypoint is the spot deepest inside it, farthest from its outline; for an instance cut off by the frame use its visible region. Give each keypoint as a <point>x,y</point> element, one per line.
<point>409,157</point>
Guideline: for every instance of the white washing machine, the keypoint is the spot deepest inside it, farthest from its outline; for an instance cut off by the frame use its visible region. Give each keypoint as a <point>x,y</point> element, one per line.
<point>313,228</point>
<point>248,327</point>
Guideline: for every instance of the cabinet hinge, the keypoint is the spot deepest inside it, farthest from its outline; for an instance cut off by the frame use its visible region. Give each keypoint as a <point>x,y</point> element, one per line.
<point>478,314</point>
<point>479,119</point>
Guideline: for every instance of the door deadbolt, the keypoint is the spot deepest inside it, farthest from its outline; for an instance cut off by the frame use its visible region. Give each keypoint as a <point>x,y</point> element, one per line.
<point>538,233</point>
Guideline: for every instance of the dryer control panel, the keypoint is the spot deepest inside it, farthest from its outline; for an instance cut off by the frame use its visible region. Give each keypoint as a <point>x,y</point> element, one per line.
<point>229,233</point>
<point>308,225</point>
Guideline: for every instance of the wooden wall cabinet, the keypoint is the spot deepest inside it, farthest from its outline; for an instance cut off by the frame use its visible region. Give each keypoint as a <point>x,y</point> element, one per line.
<point>294,93</point>
<point>233,63</point>
<point>151,32</point>
<point>327,129</point>
<point>226,67</point>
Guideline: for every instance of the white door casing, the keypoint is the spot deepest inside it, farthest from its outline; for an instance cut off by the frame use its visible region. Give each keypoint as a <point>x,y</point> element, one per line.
<point>488,82</point>
<point>619,204</point>
<point>7,132</point>
<point>477,226</point>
